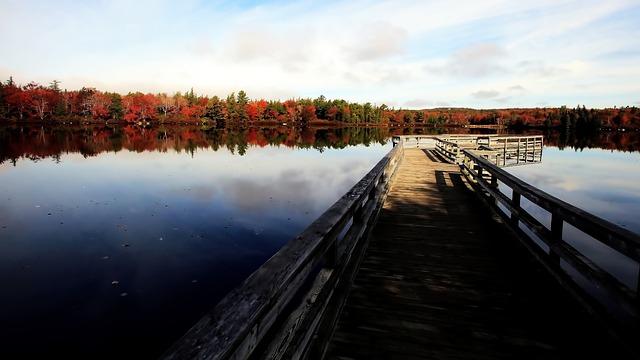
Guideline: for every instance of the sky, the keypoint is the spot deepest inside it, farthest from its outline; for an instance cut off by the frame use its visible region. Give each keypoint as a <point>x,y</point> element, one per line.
<point>405,54</point>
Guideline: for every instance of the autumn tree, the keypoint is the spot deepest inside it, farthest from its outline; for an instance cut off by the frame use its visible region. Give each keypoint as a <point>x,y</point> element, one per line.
<point>39,99</point>
<point>291,107</point>
<point>139,106</point>
<point>275,110</point>
<point>84,101</point>
<point>166,103</point>
<point>308,114</point>
<point>11,99</point>
<point>101,105</point>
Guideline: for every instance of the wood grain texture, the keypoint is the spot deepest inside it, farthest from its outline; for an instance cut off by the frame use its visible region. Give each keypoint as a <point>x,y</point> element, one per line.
<point>442,279</point>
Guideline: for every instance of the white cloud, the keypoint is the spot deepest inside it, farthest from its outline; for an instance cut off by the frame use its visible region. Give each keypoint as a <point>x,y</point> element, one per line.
<point>378,40</point>
<point>472,61</point>
<point>485,94</point>
<point>418,103</point>
<point>384,52</point>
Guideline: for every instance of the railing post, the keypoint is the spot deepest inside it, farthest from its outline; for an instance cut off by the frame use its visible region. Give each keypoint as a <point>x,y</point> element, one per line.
<point>638,288</point>
<point>504,152</point>
<point>515,204</point>
<point>494,182</point>
<point>331,256</point>
<point>556,236</point>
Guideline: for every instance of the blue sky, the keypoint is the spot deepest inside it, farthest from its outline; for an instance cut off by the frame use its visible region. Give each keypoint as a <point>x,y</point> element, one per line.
<point>403,53</point>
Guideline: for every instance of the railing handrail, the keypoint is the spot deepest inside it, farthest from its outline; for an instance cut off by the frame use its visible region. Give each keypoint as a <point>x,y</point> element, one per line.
<point>484,177</point>
<point>278,308</point>
<point>502,149</point>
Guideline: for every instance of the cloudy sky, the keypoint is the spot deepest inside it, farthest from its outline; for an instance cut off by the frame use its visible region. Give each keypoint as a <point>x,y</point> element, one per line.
<point>402,53</point>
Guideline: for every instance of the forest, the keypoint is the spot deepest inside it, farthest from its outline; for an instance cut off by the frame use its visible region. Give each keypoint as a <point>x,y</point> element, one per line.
<point>42,141</point>
<point>38,103</point>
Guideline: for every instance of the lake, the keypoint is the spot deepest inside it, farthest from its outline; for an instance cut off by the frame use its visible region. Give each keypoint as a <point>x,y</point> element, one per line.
<point>114,241</point>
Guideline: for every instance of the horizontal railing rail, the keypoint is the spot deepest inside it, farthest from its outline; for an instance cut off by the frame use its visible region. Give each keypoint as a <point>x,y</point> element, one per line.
<point>414,141</point>
<point>282,310</point>
<point>501,150</point>
<point>512,150</point>
<point>612,301</point>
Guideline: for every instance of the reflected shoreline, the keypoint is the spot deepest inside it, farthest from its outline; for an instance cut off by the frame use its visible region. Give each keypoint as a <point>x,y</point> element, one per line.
<point>37,142</point>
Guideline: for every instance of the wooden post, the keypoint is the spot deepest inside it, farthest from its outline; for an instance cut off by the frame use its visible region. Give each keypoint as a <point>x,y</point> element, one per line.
<point>504,152</point>
<point>638,288</point>
<point>556,237</point>
<point>515,204</point>
<point>331,256</point>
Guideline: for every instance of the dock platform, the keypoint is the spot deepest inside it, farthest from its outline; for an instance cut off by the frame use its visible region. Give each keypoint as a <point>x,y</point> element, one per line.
<point>442,279</point>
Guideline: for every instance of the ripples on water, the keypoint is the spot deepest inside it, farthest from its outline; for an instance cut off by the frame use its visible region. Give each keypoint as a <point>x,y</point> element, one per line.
<point>121,253</point>
<point>114,242</point>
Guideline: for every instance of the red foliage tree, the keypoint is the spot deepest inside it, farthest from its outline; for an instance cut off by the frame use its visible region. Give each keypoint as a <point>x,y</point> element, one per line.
<point>308,114</point>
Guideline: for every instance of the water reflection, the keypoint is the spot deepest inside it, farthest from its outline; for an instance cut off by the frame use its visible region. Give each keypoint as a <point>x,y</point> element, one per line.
<point>41,142</point>
<point>119,252</point>
<point>102,229</point>
<point>602,182</point>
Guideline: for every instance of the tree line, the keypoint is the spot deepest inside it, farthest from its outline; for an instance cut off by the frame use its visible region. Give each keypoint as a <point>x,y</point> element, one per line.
<point>35,102</point>
<point>37,142</point>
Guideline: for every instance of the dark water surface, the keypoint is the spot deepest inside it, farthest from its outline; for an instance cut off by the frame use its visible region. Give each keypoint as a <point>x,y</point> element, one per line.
<point>117,255</point>
<point>115,241</point>
<point>605,183</point>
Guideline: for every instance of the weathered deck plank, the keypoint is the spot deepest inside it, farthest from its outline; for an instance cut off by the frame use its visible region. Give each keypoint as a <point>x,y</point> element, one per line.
<point>442,280</point>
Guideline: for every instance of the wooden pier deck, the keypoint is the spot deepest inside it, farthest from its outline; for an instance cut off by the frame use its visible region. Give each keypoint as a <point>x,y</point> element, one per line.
<point>441,279</point>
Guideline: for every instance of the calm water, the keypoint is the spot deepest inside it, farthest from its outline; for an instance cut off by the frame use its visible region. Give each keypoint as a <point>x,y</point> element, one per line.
<point>119,254</point>
<point>602,182</point>
<point>113,243</point>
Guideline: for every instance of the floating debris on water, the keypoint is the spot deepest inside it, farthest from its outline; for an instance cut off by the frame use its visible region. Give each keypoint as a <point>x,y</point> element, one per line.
<point>115,282</point>
<point>124,294</point>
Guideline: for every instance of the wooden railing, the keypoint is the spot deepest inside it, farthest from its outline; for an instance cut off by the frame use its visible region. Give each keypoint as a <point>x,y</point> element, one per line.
<point>287,309</point>
<point>282,310</point>
<point>451,147</point>
<point>500,150</point>
<point>512,150</point>
<point>558,237</point>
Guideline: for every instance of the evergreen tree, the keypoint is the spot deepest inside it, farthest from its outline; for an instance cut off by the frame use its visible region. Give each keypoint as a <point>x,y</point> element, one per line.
<point>241,105</point>
<point>116,110</point>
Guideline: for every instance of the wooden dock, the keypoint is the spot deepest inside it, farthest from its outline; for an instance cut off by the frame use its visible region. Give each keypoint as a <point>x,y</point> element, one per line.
<point>409,264</point>
<point>442,279</point>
